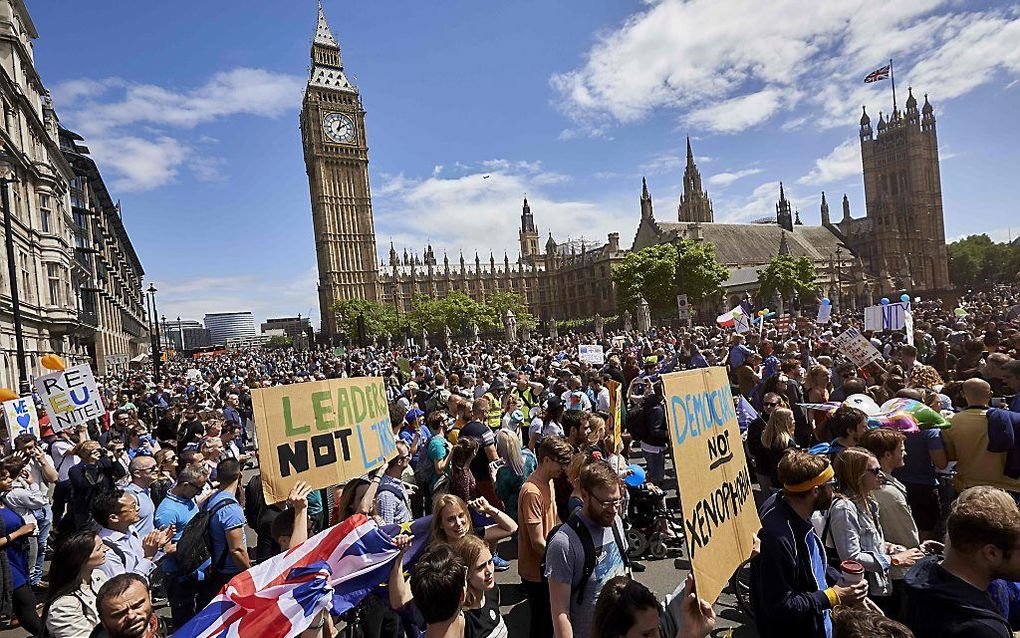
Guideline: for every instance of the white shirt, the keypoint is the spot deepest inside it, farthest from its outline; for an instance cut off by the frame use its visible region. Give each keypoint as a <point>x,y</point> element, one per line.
<point>36,473</point>
<point>62,461</point>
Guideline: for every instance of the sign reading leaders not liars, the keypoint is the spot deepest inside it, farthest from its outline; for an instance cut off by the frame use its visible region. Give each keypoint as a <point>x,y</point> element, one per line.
<point>321,432</point>
<point>716,502</point>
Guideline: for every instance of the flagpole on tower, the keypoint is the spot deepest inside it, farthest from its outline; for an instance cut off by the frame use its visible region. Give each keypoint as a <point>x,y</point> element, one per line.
<point>893,79</point>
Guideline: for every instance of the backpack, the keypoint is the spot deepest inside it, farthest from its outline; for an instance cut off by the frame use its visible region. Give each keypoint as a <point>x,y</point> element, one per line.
<point>194,548</point>
<point>575,523</point>
<point>437,400</point>
<point>254,501</point>
<point>637,423</point>
<point>423,470</point>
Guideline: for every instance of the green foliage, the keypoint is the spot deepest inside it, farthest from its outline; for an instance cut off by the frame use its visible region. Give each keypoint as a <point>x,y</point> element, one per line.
<point>379,318</point>
<point>456,310</point>
<point>977,260</point>
<point>660,273</point>
<point>279,341</point>
<point>786,274</point>
<point>498,303</point>
<point>699,275</point>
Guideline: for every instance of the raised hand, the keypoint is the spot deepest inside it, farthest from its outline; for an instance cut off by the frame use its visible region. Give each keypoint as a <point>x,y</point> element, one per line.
<point>298,497</point>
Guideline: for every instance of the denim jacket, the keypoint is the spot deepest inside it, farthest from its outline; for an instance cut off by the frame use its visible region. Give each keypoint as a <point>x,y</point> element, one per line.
<point>857,536</point>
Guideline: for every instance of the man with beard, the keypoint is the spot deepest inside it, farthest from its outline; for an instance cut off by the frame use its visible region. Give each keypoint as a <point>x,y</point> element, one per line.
<point>125,609</point>
<point>790,580</point>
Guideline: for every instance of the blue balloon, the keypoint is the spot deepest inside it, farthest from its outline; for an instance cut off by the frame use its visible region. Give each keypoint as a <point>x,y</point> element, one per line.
<point>885,301</point>
<point>825,301</point>
<point>637,478</point>
<point>905,298</point>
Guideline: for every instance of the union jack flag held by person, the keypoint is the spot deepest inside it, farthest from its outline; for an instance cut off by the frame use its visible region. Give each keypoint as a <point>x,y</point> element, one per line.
<point>334,570</point>
<point>878,74</point>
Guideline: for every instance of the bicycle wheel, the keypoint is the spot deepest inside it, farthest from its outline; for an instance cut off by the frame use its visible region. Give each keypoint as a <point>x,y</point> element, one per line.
<point>740,585</point>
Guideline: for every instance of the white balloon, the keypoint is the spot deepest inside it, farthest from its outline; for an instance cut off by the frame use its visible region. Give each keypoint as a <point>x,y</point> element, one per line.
<point>863,403</point>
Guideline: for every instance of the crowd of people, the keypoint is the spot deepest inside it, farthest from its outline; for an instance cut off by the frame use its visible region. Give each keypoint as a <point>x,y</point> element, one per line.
<point>511,449</point>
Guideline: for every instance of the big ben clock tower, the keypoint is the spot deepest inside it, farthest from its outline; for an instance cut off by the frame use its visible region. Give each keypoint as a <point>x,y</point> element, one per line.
<point>336,160</point>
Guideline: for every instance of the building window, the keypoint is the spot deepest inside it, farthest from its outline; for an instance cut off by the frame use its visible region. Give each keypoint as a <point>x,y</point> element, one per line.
<point>45,213</point>
<point>26,290</point>
<point>53,275</point>
<point>78,192</point>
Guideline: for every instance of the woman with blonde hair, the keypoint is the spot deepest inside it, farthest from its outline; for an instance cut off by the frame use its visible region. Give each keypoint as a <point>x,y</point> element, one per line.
<point>776,440</point>
<point>852,527</point>
<point>517,467</point>
<point>451,520</point>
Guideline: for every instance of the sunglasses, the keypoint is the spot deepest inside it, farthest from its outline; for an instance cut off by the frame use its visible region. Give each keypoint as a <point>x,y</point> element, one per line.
<point>877,471</point>
<point>771,404</point>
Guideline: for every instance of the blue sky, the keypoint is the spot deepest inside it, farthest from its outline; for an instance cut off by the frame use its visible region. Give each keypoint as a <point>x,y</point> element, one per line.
<point>192,113</point>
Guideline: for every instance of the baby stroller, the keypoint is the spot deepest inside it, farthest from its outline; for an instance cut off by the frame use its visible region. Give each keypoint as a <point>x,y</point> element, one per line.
<point>653,529</point>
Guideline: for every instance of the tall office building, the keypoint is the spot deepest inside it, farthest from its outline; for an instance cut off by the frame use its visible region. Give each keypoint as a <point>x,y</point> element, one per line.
<point>229,325</point>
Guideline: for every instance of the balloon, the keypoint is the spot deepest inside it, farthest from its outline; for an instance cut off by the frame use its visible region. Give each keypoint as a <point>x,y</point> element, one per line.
<point>766,311</point>
<point>761,313</point>
<point>825,301</point>
<point>6,394</point>
<point>960,312</point>
<point>905,298</point>
<point>637,477</point>
<point>53,362</point>
<point>885,301</point>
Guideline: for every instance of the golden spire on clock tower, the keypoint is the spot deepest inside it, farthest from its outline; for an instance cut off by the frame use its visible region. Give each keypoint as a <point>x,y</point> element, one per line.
<point>336,160</point>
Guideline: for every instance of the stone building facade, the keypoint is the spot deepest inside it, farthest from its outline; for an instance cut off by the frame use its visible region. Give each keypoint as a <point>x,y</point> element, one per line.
<point>566,280</point>
<point>336,159</point>
<point>902,240</point>
<point>107,277</point>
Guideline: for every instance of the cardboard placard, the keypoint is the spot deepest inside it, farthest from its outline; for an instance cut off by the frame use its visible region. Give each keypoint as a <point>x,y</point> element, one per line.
<point>888,317</point>
<point>616,413</point>
<point>858,349</point>
<point>21,417</point>
<point>591,353</point>
<point>321,432</point>
<point>70,397</point>
<point>194,375</point>
<point>784,323</point>
<point>717,505</point>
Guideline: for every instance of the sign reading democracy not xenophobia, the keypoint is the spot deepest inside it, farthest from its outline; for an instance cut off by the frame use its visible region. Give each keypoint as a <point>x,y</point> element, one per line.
<point>321,432</point>
<point>70,396</point>
<point>616,414</point>
<point>716,503</point>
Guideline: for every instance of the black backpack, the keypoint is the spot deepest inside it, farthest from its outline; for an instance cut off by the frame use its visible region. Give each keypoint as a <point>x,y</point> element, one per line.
<point>575,523</point>
<point>195,546</point>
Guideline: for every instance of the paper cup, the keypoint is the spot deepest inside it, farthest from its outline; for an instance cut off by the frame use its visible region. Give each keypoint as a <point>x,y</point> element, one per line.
<point>853,572</point>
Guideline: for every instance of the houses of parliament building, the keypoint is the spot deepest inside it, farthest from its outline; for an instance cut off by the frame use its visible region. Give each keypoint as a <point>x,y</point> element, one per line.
<point>898,246</point>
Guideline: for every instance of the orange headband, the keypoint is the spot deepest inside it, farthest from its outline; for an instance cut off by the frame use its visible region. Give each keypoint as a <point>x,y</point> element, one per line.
<point>821,479</point>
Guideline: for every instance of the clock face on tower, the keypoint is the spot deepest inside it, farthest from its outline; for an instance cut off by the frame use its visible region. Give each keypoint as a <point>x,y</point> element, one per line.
<point>338,128</point>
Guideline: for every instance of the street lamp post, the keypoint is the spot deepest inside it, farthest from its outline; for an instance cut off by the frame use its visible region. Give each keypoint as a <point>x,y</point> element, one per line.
<point>157,349</point>
<point>12,272</point>
<point>180,332</point>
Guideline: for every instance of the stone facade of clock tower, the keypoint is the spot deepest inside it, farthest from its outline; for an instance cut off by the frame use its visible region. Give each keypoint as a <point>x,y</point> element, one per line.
<point>336,160</point>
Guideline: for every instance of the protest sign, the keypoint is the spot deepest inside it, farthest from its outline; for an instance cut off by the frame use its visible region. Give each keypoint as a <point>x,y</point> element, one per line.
<point>70,396</point>
<point>908,326</point>
<point>194,375</point>
<point>683,310</point>
<point>591,353</point>
<point>717,505</point>
<point>783,323</point>
<point>885,317</point>
<point>616,413</point>
<point>824,312</point>
<point>21,417</point>
<point>858,349</point>
<point>321,432</point>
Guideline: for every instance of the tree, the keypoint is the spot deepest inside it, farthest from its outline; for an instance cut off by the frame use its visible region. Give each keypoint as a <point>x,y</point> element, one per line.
<point>699,274</point>
<point>279,341</point>
<point>660,273</point>
<point>498,303</point>
<point>456,310</point>
<point>977,260</point>
<point>785,275</point>
<point>649,273</point>
<point>378,318</point>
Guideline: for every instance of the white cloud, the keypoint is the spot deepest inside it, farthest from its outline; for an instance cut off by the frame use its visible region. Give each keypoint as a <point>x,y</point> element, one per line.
<point>140,130</point>
<point>264,296</point>
<point>727,178</point>
<point>663,163</point>
<point>137,163</point>
<point>728,66</point>
<point>415,212</point>
<point>844,161</point>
